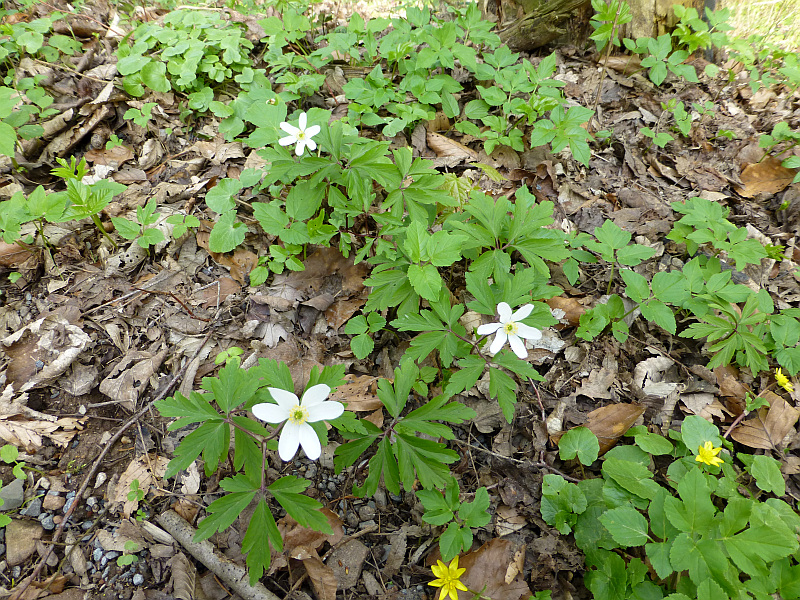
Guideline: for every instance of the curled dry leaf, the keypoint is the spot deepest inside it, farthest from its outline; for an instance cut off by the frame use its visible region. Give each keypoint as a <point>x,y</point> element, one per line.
<point>359,393</point>
<point>769,426</point>
<point>489,566</point>
<point>765,177</point>
<point>609,423</point>
<point>322,577</point>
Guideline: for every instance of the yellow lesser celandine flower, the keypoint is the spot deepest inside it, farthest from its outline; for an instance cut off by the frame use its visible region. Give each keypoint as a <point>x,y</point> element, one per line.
<point>783,381</point>
<point>448,579</point>
<point>708,454</point>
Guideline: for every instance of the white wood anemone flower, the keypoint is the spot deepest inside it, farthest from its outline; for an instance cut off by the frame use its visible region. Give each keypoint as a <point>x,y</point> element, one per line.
<point>300,135</point>
<point>298,414</point>
<point>510,329</point>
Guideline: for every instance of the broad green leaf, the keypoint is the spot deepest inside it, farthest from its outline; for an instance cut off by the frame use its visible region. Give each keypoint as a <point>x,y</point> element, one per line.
<point>654,444</point>
<point>580,442</point>
<point>306,511</point>
<point>767,473</point>
<point>425,280</point>
<point>222,513</point>
<point>126,228</point>
<point>476,513</point>
<point>696,511</point>
<point>258,553</point>
<point>626,525</point>
<point>227,233</point>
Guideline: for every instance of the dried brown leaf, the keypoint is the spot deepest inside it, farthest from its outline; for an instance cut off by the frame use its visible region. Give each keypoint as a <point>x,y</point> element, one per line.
<point>359,392</point>
<point>765,177</point>
<point>489,566</point>
<point>610,422</point>
<point>769,426</point>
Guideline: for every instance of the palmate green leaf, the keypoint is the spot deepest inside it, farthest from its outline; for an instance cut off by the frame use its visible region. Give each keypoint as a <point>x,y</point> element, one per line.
<point>513,363</point>
<point>425,280</point>
<point>751,549</point>
<point>196,408</point>
<point>421,419</point>
<point>610,580</point>
<point>580,442</point>
<point>227,233</point>
<point>710,589</point>
<point>437,510</point>
<point>703,558</point>
<point>126,228</point>
<point>767,473</point>
<point>471,370</point>
<point>425,458</point>
<point>306,511</point>
<point>454,541</point>
<point>384,464</point>
<point>626,525</point>
<point>504,388</point>
<point>224,511</point>
<point>233,387</point>
<point>695,513</point>
<point>247,451</point>
<point>660,314</point>
<point>258,553</point>
<point>631,476</point>
<point>658,553</point>
<point>476,513</point>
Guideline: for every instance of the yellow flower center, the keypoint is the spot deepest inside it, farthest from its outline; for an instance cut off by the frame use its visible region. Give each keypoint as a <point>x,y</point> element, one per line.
<point>510,328</point>
<point>299,415</point>
<point>301,135</point>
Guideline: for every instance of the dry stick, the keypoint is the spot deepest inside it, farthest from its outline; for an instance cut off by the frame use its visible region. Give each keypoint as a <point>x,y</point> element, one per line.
<point>99,460</point>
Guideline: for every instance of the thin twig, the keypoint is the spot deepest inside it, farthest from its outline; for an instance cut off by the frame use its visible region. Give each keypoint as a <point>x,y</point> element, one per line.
<point>99,460</point>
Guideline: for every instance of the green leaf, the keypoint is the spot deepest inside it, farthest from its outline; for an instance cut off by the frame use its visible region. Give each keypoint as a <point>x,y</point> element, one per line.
<point>660,314</point>
<point>450,105</point>
<point>258,553</point>
<point>150,237</point>
<point>631,476</point>
<point>454,540</point>
<point>634,254</point>
<point>610,580</point>
<point>580,442</point>
<point>220,198</point>
<point>767,473</point>
<point>304,510</point>
<point>154,76</point>
<point>696,513</point>
<point>222,513</point>
<point>626,525</point>
<point>696,431</point>
<point>425,280</point>
<point>658,553</point>
<point>227,233</point>
<point>126,228</point>
<point>437,510</point>
<point>476,513</point>
<point>9,453</point>
<point>194,409</point>
<point>637,288</point>
<point>362,345</point>
<point>654,444</point>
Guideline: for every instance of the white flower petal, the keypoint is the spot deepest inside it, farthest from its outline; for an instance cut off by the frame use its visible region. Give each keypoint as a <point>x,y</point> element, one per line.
<point>327,411</point>
<point>499,342</point>
<point>290,129</point>
<point>287,141</point>
<point>284,399</point>
<point>311,144</point>
<point>309,441</point>
<point>271,413</point>
<point>301,146</point>
<point>489,328</point>
<point>504,310</point>
<point>518,346</point>
<point>303,121</point>
<point>316,394</point>
<point>290,440</point>
<point>528,332</point>
<point>312,131</point>
<point>522,313</point>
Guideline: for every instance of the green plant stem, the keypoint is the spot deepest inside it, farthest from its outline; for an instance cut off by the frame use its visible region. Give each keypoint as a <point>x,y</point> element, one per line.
<point>99,226</point>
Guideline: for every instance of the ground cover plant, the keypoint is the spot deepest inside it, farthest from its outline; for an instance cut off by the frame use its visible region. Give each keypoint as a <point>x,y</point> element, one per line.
<point>530,318</point>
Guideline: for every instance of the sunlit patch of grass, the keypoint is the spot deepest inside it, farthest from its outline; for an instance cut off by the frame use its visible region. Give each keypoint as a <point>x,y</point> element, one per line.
<point>778,21</point>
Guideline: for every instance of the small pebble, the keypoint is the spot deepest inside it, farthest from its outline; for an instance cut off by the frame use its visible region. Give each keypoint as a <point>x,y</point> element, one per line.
<point>97,554</point>
<point>44,483</point>
<point>91,501</point>
<point>47,521</point>
<point>352,519</point>
<point>138,579</point>
<point>311,472</point>
<point>101,479</point>
<point>86,525</point>
<point>332,486</point>
<point>16,572</point>
<point>365,513</point>
<point>380,499</point>
<point>68,504</point>
<point>112,554</point>
<point>34,508</point>
<point>2,549</point>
